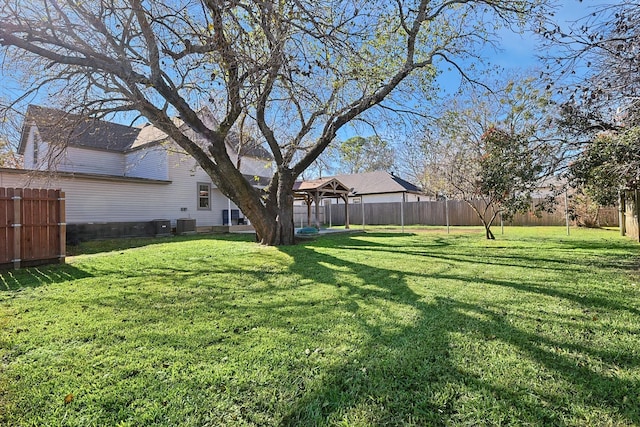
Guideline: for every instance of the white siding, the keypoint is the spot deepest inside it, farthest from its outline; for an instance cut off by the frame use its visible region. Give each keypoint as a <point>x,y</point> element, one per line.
<point>37,154</point>
<point>150,163</point>
<point>83,160</point>
<point>94,199</point>
<point>91,200</point>
<point>70,158</point>
<point>389,198</point>
<point>185,176</point>
<point>106,200</point>
<point>27,158</point>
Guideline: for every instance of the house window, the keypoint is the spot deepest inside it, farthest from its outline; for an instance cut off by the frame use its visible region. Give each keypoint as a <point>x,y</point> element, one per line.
<point>35,152</point>
<point>204,196</point>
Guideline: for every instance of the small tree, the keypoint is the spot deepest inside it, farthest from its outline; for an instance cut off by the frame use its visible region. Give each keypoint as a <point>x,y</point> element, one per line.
<point>498,178</point>
<point>358,154</point>
<point>491,150</point>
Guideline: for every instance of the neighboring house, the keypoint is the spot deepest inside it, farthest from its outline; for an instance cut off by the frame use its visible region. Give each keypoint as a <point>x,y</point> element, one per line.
<point>112,173</point>
<point>380,187</point>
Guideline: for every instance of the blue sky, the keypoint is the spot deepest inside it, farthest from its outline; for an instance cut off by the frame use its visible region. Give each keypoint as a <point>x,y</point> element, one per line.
<point>522,51</point>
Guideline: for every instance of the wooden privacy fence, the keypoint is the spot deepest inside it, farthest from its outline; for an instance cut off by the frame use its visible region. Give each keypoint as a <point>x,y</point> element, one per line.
<point>32,227</point>
<point>630,207</point>
<point>422,213</point>
<point>435,213</point>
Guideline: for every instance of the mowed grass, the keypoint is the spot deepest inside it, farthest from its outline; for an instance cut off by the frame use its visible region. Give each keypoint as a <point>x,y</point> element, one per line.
<point>535,328</point>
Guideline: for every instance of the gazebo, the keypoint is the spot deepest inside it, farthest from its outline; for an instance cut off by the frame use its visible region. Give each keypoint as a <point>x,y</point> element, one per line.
<point>316,190</point>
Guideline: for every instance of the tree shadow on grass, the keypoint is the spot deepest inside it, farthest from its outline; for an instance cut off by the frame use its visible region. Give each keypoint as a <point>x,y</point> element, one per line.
<point>33,277</point>
<point>602,254</point>
<point>409,351</point>
<point>430,378</point>
<point>110,245</point>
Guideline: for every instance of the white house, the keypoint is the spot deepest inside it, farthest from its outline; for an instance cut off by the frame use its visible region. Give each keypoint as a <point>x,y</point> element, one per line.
<point>112,173</point>
<point>380,187</point>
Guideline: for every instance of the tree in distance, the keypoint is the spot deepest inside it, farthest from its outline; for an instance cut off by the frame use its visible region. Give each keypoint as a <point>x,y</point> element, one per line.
<point>359,154</point>
<point>9,131</point>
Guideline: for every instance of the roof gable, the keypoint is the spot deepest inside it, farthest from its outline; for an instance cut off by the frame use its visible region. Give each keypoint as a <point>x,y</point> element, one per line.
<point>62,128</point>
<point>329,185</point>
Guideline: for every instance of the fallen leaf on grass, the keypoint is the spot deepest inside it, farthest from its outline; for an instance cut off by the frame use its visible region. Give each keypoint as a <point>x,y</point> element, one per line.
<point>68,398</point>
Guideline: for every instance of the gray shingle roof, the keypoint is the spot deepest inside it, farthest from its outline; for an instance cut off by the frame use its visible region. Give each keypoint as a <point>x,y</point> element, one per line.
<point>58,127</point>
<point>378,182</point>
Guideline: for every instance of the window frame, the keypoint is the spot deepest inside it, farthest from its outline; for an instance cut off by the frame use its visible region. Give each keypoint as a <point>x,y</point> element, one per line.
<point>200,197</point>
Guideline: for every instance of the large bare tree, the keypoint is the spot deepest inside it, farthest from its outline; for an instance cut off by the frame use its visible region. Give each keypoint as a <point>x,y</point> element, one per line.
<point>300,69</point>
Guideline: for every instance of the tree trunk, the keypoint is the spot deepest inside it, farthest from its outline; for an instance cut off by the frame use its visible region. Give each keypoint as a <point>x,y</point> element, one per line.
<point>488,233</point>
<point>275,226</point>
<point>482,215</point>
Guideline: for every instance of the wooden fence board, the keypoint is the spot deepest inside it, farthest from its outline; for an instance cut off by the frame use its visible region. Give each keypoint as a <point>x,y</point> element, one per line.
<point>32,229</point>
<point>6,231</point>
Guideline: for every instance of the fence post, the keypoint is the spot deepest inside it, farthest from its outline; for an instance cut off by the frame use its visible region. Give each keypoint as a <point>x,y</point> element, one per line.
<point>62,226</point>
<point>566,211</point>
<point>402,212</point>
<point>637,212</point>
<point>621,212</point>
<point>17,225</point>
<point>446,211</point>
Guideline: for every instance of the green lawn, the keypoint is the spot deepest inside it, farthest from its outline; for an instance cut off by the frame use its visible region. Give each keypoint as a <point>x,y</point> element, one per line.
<point>535,328</point>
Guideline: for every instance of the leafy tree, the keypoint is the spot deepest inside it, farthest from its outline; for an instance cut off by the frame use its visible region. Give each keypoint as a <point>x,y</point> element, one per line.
<point>501,177</point>
<point>609,163</point>
<point>8,156</point>
<point>301,70</point>
<point>599,55</point>
<point>492,149</point>
<point>358,154</point>
<point>9,131</point>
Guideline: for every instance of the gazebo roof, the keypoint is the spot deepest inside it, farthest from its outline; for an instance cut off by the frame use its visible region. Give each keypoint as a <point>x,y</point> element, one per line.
<point>314,191</point>
<point>325,187</point>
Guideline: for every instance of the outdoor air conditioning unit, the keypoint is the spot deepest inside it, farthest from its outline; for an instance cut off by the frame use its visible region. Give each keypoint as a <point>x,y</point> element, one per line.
<point>161,227</point>
<point>185,226</point>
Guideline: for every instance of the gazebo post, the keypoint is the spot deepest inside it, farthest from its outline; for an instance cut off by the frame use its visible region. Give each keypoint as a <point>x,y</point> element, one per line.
<point>316,198</point>
<point>308,200</point>
<point>346,211</point>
